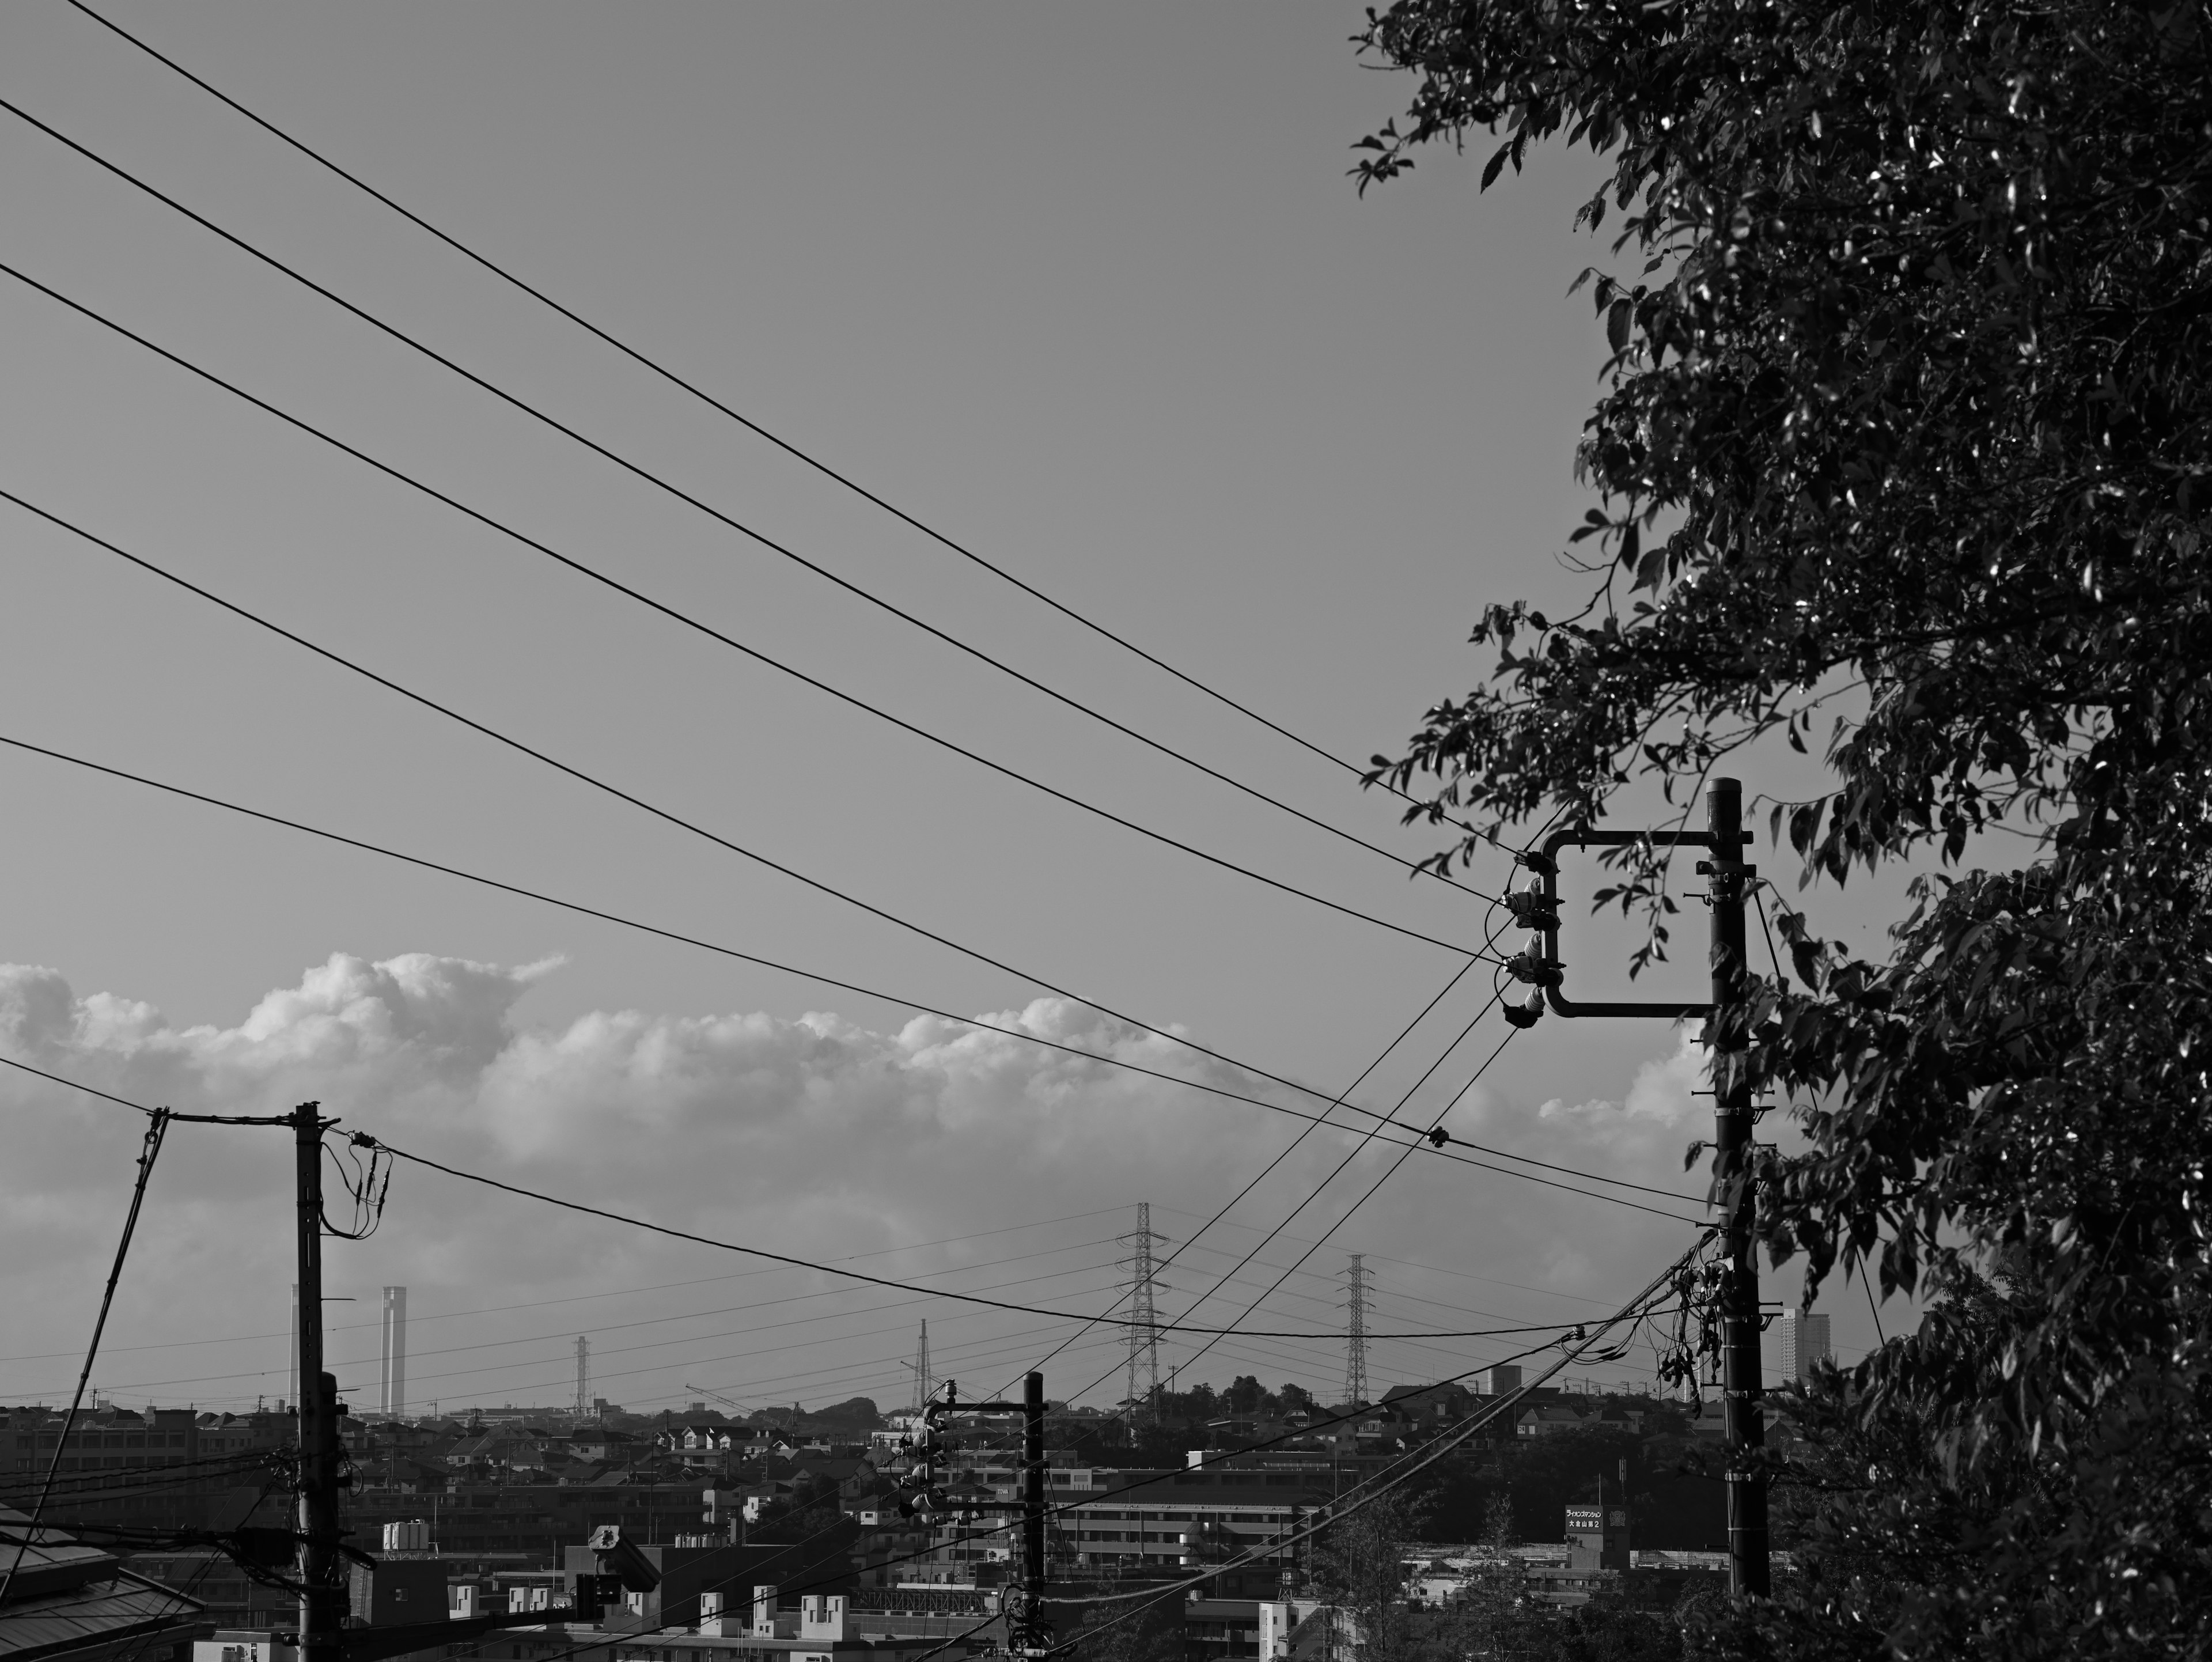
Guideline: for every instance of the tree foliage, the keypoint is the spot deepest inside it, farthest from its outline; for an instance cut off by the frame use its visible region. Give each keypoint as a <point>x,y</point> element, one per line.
<point>1904,441</point>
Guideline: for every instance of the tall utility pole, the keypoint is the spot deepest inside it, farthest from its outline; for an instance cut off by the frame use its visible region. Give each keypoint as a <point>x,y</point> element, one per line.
<point>1144,1314</point>
<point>322,1596</point>
<point>1355,1332</point>
<point>1730,879</point>
<point>1732,1181</point>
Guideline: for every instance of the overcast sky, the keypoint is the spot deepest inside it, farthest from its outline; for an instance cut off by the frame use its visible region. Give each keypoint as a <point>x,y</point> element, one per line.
<point>1085,288</point>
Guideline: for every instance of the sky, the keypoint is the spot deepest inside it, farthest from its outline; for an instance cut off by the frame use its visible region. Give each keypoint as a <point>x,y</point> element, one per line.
<point>1085,289</point>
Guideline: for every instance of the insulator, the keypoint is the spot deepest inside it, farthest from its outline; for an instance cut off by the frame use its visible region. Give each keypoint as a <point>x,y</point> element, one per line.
<point>1533,909</point>
<point>1535,969</point>
<point>1528,1014</point>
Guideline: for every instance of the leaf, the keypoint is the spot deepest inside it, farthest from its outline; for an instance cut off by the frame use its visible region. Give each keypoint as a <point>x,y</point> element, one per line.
<point>1495,166</point>
<point>1618,317</point>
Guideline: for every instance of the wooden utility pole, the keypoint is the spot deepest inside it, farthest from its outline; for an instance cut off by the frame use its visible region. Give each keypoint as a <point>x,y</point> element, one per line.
<point>1031,1637</point>
<point>1730,878</point>
<point>323,1600</point>
<point>1741,1384</point>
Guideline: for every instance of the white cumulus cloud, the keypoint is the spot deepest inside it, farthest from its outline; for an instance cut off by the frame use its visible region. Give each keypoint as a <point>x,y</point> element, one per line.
<point>812,1136</point>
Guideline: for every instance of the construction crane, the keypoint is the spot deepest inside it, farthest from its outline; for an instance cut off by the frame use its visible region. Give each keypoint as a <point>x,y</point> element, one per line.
<point>730,1402</point>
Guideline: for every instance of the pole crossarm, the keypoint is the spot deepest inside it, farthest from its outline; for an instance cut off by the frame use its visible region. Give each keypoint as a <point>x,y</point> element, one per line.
<point>1548,882</point>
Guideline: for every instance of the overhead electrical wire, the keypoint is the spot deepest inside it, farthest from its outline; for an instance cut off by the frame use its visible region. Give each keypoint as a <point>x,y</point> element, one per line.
<point>707,399</point>
<point>733,952</point>
<point>1289,1148</point>
<point>1459,1432</point>
<point>490,1182</point>
<point>922,1295</point>
<point>640,472</point>
<point>415,1318</point>
<point>1432,1269</point>
<point>1381,1483</point>
<point>715,403</point>
<point>156,569</point>
<point>796,452</point>
<point>1235,1328</point>
<point>365,1140</point>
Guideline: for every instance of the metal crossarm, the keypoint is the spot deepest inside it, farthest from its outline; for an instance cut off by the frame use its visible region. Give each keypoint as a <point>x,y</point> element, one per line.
<point>1555,994</point>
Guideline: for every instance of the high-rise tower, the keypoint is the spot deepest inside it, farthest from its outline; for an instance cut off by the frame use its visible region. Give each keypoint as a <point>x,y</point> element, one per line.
<point>924,1386</point>
<point>392,1371</point>
<point>583,1376</point>
<point>1144,1267</point>
<point>1355,1332</point>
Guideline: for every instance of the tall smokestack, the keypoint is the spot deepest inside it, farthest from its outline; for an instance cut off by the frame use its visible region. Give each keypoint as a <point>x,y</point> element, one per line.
<point>392,1377</point>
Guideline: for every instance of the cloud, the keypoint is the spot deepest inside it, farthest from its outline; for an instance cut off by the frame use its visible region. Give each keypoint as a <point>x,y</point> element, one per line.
<point>812,1136</point>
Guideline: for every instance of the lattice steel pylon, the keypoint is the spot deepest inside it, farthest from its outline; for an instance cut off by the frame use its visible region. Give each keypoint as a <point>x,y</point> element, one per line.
<point>1355,1332</point>
<point>1143,1312</point>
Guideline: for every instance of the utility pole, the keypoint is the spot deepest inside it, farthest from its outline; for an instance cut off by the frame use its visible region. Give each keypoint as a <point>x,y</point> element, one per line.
<point>1732,1180</point>
<point>1729,877</point>
<point>1032,1637</point>
<point>322,1596</point>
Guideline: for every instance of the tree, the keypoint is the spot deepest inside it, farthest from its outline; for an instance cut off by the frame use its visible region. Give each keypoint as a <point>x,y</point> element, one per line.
<point>1110,1634</point>
<point>1359,1565</point>
<point>1906,430</point>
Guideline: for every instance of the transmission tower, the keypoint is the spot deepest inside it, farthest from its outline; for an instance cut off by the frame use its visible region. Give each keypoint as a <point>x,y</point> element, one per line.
<point>924,1385</point>
<point>583,1375</point>
<point>1355,1332</point>
<point>1144,1267</point>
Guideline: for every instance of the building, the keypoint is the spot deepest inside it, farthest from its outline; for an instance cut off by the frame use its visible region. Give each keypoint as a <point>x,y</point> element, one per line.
<point>1499,1380</point>
<point>68,1602</point>
<point>1597,1536</point>
<point>826,1628</point>
<point>162,1468</point>
<point>1792,1347</point>
<point>1551,1419</point>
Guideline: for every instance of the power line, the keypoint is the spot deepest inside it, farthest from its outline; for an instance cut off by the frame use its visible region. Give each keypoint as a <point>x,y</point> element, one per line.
<point>1383,1481</point>
<point>786,1259</point>
<point>365,1140</point>
<point>645,474</point>
<point>597,783</point>
<point>1322,1423</point>
<point>415,1318</point>
<point>733,952</point>
<point>923,1296</point>
<point>1389,1172</point>
<point>1400,1038</point>
<point>712,402</point>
